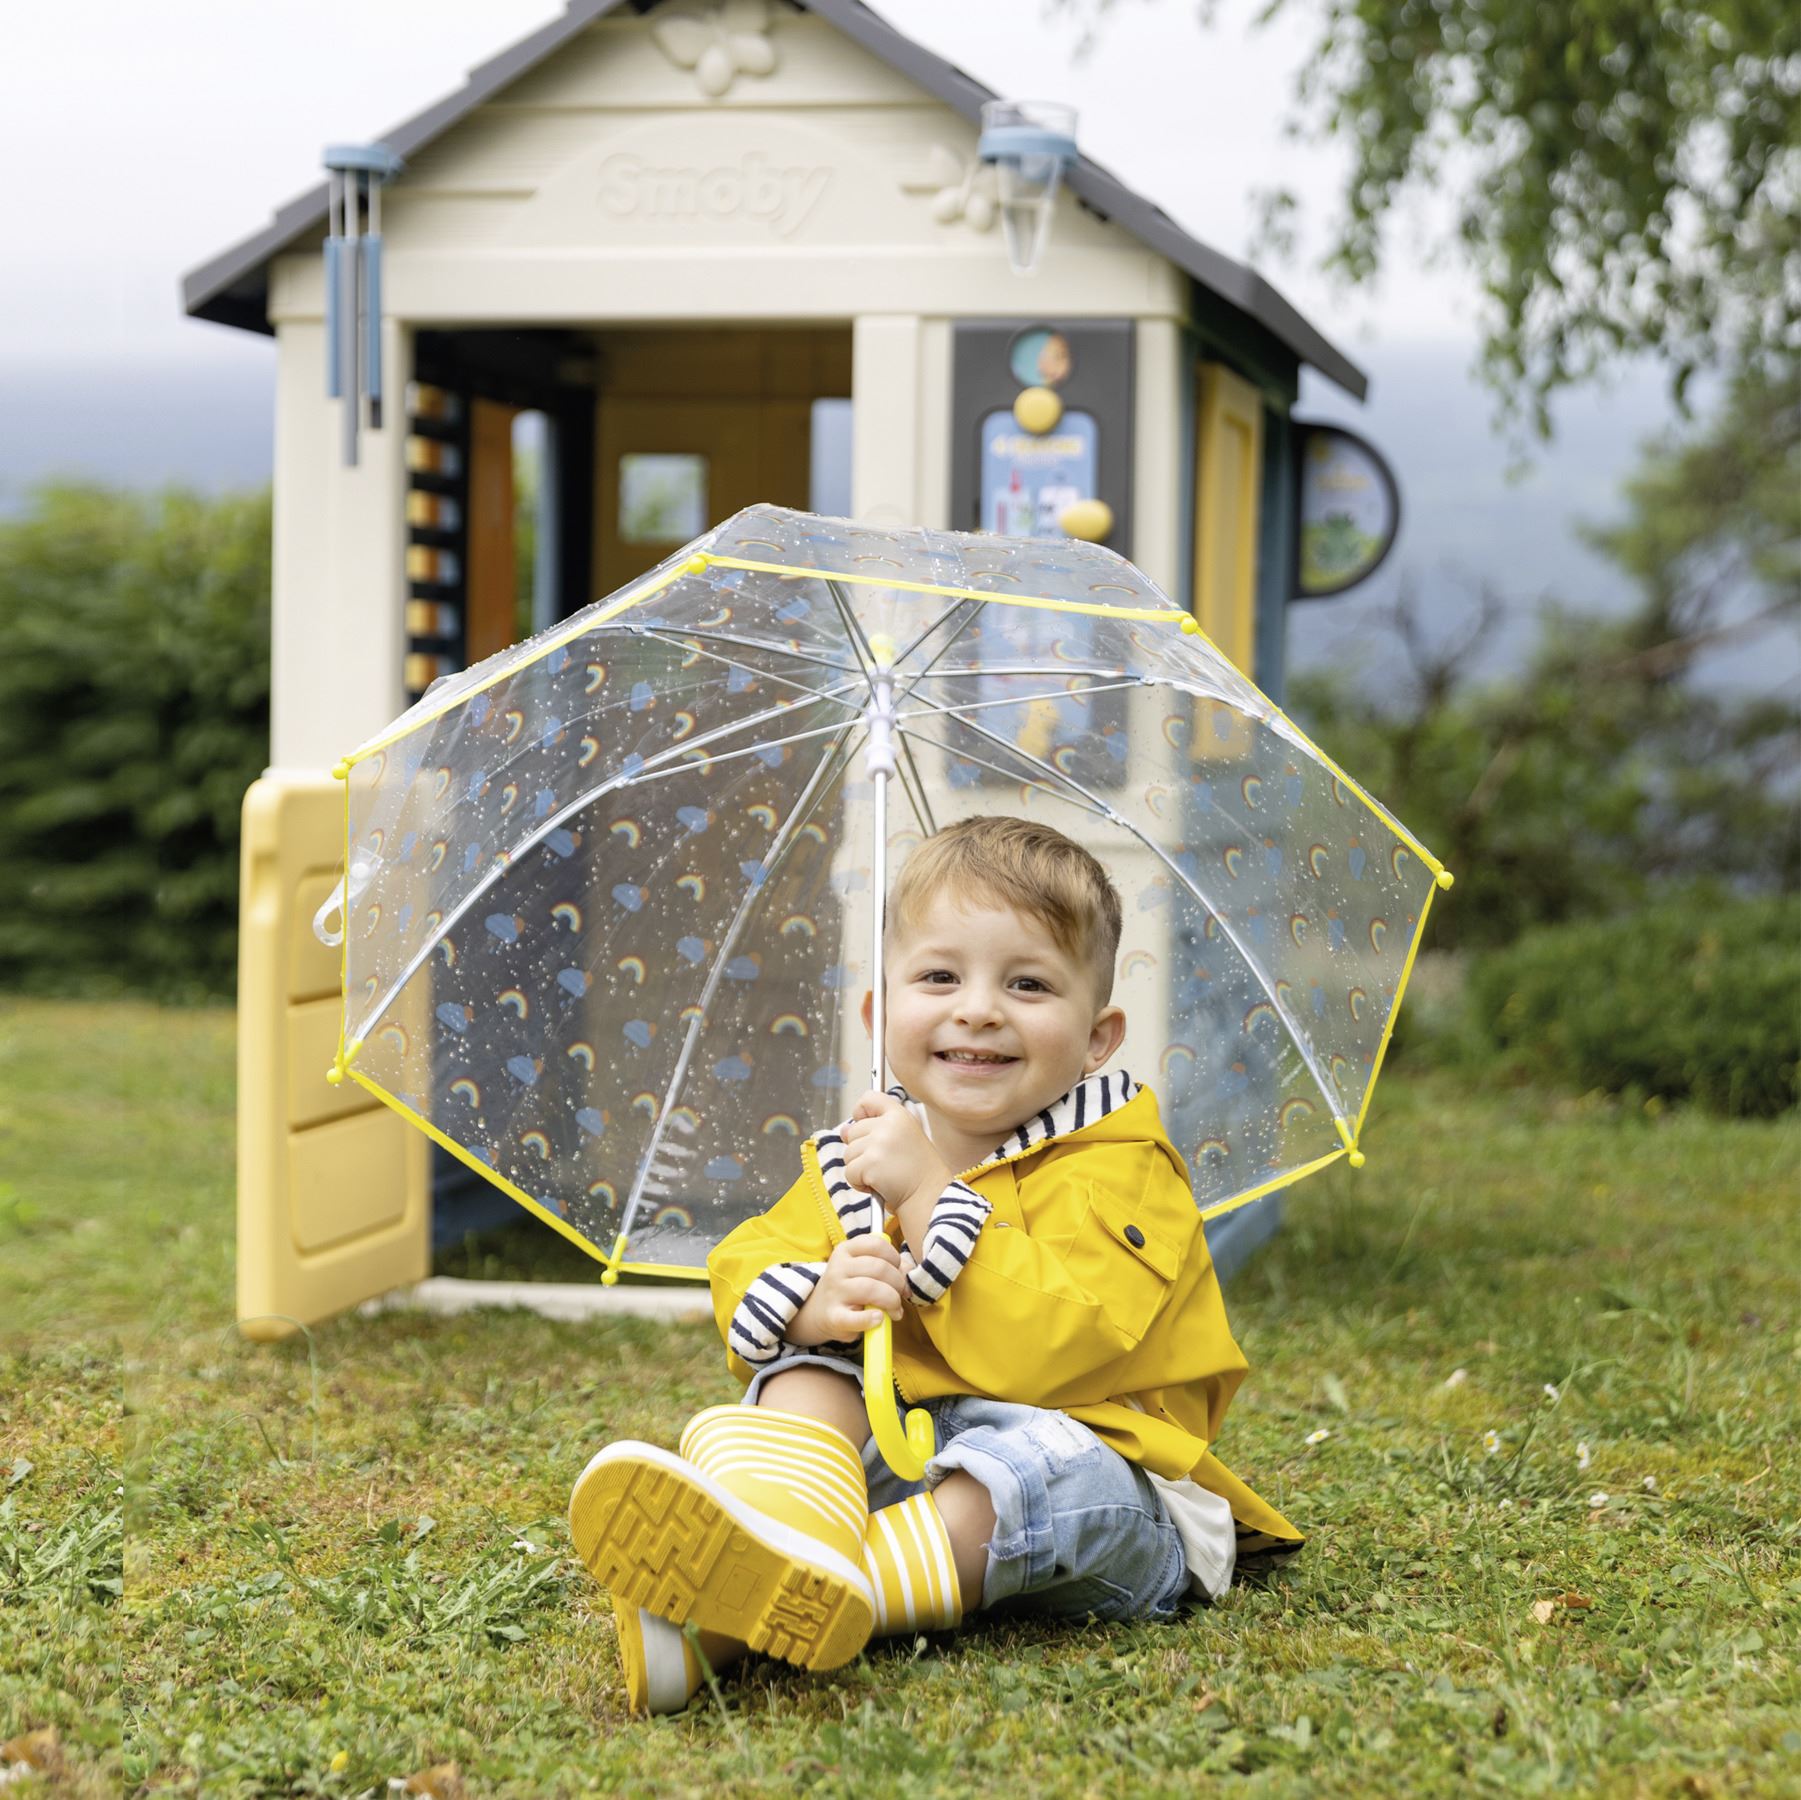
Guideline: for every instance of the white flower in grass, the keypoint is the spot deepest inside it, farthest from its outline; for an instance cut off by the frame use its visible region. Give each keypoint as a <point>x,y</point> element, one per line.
<point>1457,1378</point>
<point>527,1546</point>
<point>1506,1506</point>
<point>1318,1437</point>
<point>1650,1484</point>
<point>1551,1392</point>
<point>1583,1459</point>
<point>1491,1443</point>
<point>1596,1501</point>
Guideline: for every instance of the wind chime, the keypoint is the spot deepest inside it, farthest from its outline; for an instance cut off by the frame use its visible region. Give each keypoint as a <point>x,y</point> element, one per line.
<point>355,173</point>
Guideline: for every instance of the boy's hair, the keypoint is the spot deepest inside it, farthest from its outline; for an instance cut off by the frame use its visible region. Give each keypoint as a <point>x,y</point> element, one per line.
<point>1030,867</point>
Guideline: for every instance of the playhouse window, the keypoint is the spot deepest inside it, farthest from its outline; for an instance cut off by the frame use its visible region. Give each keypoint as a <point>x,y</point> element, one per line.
<point>662,499</point>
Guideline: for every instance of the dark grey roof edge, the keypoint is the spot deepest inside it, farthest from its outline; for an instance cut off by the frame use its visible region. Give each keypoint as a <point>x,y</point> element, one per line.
<point>1107,194</point>
<point>217,289</point>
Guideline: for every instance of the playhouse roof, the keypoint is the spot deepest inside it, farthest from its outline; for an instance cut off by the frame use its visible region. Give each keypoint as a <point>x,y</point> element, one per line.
<point>232,288</point>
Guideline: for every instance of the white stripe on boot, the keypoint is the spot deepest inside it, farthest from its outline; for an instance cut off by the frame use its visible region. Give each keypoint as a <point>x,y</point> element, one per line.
<point>908,1558</point>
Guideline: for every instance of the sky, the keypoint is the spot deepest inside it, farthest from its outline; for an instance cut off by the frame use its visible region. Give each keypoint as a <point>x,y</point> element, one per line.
<point>158,135</point>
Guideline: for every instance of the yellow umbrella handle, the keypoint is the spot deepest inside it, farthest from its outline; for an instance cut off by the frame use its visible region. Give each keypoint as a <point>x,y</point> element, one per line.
<point>905,1452</point>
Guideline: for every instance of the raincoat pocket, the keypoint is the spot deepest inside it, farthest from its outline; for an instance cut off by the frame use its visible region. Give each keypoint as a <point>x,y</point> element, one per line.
<point>1129,1265</point>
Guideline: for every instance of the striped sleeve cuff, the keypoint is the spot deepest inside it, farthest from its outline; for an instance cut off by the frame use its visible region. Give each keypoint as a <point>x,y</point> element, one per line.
<point>759,1327</point>
<point>958,1216</point>
<point>858,1213</point>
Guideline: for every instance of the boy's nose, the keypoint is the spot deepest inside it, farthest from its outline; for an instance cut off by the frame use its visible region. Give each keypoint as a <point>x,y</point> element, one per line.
<point>976,1005</point>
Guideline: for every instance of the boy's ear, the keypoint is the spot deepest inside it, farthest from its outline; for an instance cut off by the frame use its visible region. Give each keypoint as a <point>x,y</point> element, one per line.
<point>1105,1038</point>
<point>867,1011</point>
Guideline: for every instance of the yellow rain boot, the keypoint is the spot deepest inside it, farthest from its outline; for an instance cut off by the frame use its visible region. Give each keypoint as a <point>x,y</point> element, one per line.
<point>908,1559</point>
<point>662,1673</point>
<point>754,1531</point>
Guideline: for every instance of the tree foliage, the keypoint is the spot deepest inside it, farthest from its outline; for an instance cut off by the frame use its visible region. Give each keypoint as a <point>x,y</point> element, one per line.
<point>1602,773</point>
<point>134,685</point>
<point>1690,999</point>
<point>1626,177</point>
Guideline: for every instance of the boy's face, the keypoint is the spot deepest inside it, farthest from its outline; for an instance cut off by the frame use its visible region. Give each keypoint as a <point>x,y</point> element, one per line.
<point>988,1021</point>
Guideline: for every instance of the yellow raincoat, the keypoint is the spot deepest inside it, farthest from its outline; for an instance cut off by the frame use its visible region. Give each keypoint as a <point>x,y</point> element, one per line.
<point>1089,1290</point>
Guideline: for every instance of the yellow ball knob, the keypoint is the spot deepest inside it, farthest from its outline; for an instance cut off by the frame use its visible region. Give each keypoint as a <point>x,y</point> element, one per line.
<point>1445,878</point>
<point>1089,520</point>
<point>1036,410</point>
<point>1356,1159</point>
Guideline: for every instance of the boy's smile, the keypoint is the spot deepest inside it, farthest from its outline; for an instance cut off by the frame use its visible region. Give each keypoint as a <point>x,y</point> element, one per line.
<point>988,1021</point>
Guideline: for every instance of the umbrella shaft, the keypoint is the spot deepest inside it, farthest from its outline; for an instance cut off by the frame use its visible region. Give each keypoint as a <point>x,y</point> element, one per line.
<point>878,889</point>
<point>880,762</point>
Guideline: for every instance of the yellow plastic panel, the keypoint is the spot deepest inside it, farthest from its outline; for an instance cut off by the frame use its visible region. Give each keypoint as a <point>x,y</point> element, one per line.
<point>312,966</point>
<point>1229,479</point>
<point>312,1043</point>
<point>353,1173</point>
<point>333,1206</point>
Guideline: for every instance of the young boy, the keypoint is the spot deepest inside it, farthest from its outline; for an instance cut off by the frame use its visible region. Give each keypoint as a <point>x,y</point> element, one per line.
<point>1019,1214</point>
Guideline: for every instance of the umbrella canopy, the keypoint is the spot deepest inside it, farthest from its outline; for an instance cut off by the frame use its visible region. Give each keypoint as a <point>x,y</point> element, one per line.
<point>608,912</point>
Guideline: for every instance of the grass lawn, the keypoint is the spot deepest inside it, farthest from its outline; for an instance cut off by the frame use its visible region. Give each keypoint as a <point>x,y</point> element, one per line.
<point>231,1570</point>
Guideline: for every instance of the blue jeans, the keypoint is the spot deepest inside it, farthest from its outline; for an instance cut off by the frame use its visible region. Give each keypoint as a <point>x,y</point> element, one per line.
<point>1078,1530</point>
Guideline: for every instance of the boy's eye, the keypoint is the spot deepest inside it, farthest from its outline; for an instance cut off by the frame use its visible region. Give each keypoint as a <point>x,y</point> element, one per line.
<point>938,976</point>
<point>1032,984</point>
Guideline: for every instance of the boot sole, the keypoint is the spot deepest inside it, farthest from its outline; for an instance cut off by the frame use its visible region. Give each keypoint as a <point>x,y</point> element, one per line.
<point>657,1533</point>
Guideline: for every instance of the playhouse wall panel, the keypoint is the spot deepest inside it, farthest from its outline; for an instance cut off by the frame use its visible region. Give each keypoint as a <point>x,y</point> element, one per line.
<point>332,1187</point>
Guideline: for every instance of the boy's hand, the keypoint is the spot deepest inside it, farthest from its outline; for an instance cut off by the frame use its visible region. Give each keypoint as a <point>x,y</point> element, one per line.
<point>886,1154</point>
<point>863,1279</point>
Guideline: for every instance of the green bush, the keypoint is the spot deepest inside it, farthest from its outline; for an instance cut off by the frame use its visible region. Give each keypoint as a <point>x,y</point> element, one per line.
<point>1697,998</point>
<point>134,711</point>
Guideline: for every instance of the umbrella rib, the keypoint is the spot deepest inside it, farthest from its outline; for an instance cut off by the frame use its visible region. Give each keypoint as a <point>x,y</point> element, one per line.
<point>1027,669</point>
<point>975,608</point>
<point>1011,774</point>
<point>915,789</point>
<point>778,850</point>
<point>859,643</point>
<point>542,831</point>
<point>960,707</point>
<point>955,606</point>
<point>1335,1107</point>
<point>794,737</point>
<point>731,637</point>
<point>750,669</point>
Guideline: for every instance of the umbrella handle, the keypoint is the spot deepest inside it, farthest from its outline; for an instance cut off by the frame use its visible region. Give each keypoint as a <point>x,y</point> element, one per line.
<point>905,1452</point>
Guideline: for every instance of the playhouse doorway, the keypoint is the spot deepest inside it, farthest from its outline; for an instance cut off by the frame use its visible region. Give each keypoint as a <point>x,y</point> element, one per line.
<point>694,423</point>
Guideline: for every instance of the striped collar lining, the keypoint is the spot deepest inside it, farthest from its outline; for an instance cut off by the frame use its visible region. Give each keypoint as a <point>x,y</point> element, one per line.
<point>1090,1099</point>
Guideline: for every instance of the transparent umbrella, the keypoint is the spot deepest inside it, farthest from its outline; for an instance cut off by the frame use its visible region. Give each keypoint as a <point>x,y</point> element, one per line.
<point>611,899</point>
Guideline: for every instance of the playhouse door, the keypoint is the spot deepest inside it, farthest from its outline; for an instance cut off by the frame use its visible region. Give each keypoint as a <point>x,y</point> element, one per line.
<point>669,468</point>
<point>693,425</point>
